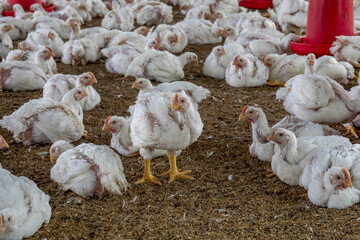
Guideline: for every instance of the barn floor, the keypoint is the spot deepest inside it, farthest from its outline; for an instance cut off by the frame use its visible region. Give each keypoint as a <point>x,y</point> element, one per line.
<point>231,197</point>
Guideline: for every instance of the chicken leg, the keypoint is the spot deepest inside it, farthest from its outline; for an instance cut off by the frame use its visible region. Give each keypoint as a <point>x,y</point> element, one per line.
<point>3,227</point>
<point>275,84</point>
<point>352,129</point>
<point>135,154</point>
<point>148,177</point>
<point>173,172</point>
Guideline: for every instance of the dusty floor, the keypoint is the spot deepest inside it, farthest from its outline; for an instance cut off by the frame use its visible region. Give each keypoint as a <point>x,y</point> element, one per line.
<point>214,206</point>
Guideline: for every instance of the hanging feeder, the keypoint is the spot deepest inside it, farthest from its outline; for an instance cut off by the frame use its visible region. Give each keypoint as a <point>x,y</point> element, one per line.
<point>256,4</point>
<point>326,20</point>
<point>26,6</point>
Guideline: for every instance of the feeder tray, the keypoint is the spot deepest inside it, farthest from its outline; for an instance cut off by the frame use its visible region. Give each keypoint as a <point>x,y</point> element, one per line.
<point>12,13</point>
<point>256,4</point>
<point>303,48</point>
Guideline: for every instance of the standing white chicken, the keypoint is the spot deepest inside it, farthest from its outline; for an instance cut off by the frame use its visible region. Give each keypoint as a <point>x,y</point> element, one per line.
<point>46,121</point>
<point>87,169</point>
<point>293,153</point>
<point>6,42</point>
<point>246,71</point>
<point>164,121</point>
<point>23,206</point>
<point>264,149</point>
<point>161,65</point>
<point>332,177</point>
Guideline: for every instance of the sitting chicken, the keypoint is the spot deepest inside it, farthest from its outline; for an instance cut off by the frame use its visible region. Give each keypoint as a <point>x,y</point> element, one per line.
<point>57,87</point>
<point>134,39</point>
<point>23,206</point>
<point>153,13</point>
<point>199,12</point>
<point>119,127</point>
<point>79,51</point>
<point>20,13</point>
<point>199,31</point>
<point>264,149</point>
<point>98,9</point>
<point>346,48</point>
<point>283,67</point>
<point>50,23</point>
<point>254,22</point>
<point>46,121</point>
<point>87,169</point>
<point>161,65</point>
<point>6,42</point>
<point>172,38</point>
<point>332,177</point>
<point>194,92</point>
<point>44,37</point>
<point>293,153</point>
<point>216,63</point>
<point>20,28</point>
<point>246,71</point>
<point>164,121</point>
<point>118,18</point>
<point>317,98</point>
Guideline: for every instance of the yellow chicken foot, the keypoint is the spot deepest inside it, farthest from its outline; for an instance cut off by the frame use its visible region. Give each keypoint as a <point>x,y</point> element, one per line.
<point>275,84</point>
<point>270,173</point>
<point>135,154</point>
<point>148,177</point>
<point>173,172</point>
<point>352,130</point>
<point>3,227</point>
<point>85,133</point>
<point>304,195</point>
<point>355,65</point>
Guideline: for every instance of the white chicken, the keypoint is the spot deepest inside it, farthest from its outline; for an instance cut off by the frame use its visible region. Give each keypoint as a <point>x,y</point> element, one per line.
<point>172,38</point>
<point>293,153</point>
<point>283,67</point>
<point>317,98</point>
<point>50,23</point>
<point>133,39</point>
<point>119,18</point>
<point>98,9</point>
<point>44,37</point>
<point>58,86</point>
<point>119,127</point>
<point>161,65</point>
<point>6,42</point>
<point>20,13</point>
<point>153,13</point>
<point>246,71</point>
<point>199,31</point>
<point>23,206</point>
<point>332,177</point>
<point>87,169</point>
<point>20,28</point>
<point>346,48</point>
<point>216,63</point>
<point>199,12</point>
<point>79,51</point>
<point>46,121</point>
<point>164,121</point>
<point>195,93</point>
<point>253,22</point>
<point>63,14</point>
<point>264,149</point>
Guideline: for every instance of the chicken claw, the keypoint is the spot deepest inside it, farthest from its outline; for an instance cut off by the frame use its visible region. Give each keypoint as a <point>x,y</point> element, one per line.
<point>148,177</point>
<point>135,154</point>
<point>173,172</point>
<point>3,227</point>
<point>352,129</point>
<point>304,195</point>
<point>275,84</point>
<point>85,133</point>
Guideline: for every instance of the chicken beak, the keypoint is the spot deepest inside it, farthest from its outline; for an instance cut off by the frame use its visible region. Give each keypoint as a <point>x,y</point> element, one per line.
<point>175,105</point>
<point>48,36</point>
<point>52,53</point>
<point>3,227</point>
<point>52,159</point>
<point>10,28</point>
<point>134,84</point>
<point>347,182</point>
<point>105,127</point>
<point>242,116</point>
<point>271,137</point>
<point>223,33</point>
<point>84,94</point>
<point>234,63</point>
<point>195,62</point>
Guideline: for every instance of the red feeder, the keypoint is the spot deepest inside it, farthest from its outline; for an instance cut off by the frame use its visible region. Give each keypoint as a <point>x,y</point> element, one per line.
<point>326,20</point>
<point>256,4</point>
<point>26,6</point>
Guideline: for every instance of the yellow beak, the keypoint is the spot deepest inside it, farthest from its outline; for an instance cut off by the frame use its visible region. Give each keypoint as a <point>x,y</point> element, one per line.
<point>242,116</point>
<point>271,137</point>
<point>52,159</point>
<point>134,84</point>
<point>348,184</point>
<point>105,127</point>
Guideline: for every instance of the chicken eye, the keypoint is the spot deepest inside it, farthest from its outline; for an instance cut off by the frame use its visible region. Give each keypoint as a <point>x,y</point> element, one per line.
<point>140,82</point>
<point>251,111</point>
<point>338,177</point>
<point>281,134</point>
<point>182,101</point>
<point>114,122</point>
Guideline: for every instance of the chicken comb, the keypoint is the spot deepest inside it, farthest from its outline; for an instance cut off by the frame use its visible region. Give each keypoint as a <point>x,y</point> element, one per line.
<point>107,120</point>
<point>158,40</point>
<point>263,59</point>
<point>92,75</point>
<point>274,131</point>
<point>347,175</point>
<point>244,109</point>
<point>49,48</point>
<point>236,57</point>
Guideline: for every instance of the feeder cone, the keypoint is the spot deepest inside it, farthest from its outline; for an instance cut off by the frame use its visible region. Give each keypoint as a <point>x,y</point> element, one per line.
<point>256,4</point>
<point>326,20</point>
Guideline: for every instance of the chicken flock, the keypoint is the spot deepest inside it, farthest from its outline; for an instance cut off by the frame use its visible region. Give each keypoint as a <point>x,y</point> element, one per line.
<point>164,119</point>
